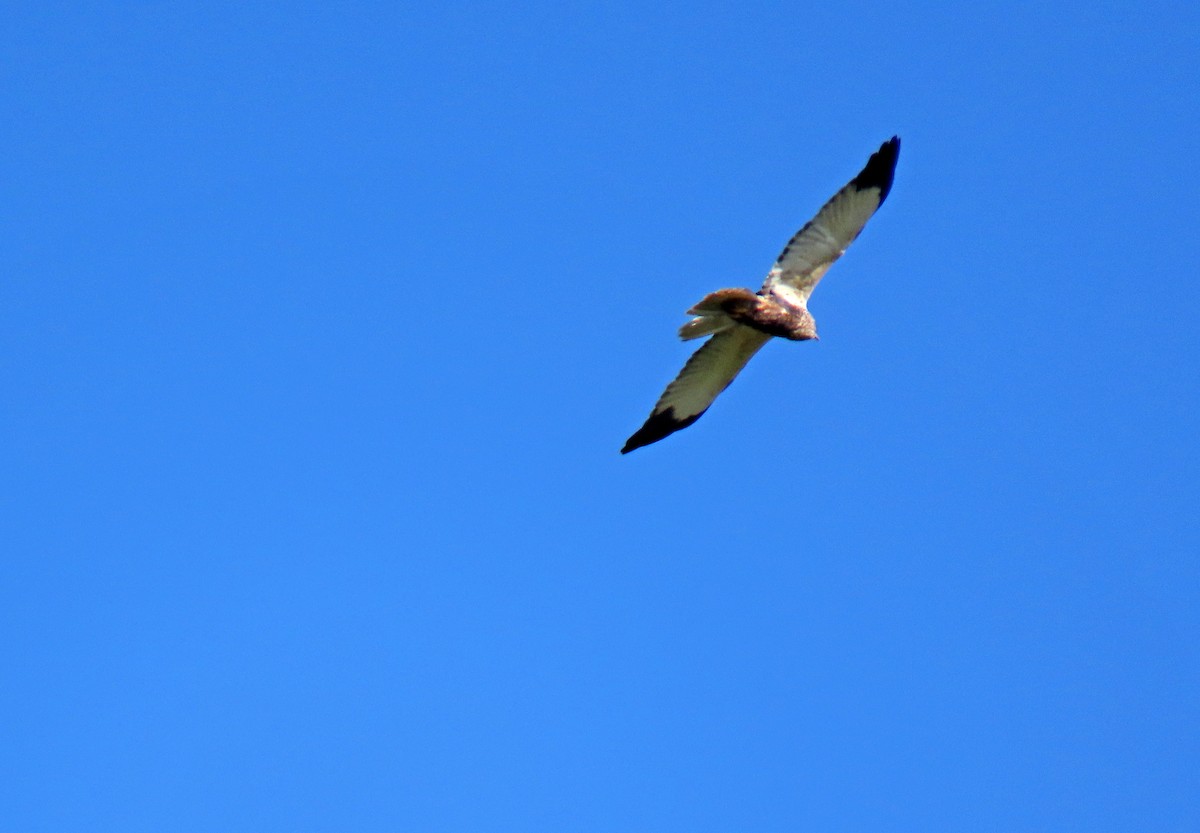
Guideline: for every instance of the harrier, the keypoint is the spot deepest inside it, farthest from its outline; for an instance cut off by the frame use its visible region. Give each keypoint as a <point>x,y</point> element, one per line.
<point>741,322</point>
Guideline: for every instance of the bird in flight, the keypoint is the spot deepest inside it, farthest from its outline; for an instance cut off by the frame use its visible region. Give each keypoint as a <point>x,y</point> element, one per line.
<point>741,322</point>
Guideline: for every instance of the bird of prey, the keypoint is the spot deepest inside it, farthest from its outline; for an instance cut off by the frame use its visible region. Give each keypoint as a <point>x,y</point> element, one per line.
<point>741,321</point>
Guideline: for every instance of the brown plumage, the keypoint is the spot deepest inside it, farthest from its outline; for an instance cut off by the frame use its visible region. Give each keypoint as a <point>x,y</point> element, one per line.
<point>764,313</point>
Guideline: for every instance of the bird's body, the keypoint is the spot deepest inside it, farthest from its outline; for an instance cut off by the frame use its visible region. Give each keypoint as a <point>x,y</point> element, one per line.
<point>763,311</point>
<point>741,321</point>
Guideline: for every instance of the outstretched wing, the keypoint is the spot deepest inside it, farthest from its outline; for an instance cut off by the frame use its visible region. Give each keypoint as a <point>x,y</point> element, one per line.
<point>813,249</point>
<point>708,372</point>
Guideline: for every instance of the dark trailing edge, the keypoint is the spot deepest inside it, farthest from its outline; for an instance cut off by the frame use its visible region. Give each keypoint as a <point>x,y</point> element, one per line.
<point>880,169</point>
<point>658,426</point>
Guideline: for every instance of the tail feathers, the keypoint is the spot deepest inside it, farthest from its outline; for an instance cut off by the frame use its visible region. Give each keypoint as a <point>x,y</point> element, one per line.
<point>712,313</point>
<point>705,325</point>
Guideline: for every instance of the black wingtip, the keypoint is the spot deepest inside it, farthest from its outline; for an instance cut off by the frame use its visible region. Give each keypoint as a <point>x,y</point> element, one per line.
<point>660,424</point>
<point>880,169</point>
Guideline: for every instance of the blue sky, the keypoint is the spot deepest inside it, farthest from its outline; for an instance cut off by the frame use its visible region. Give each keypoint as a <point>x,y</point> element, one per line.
<point>321,327</point>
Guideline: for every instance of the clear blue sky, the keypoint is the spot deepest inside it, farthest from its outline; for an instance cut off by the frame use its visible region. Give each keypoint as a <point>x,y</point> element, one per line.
<point>321,326</point>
